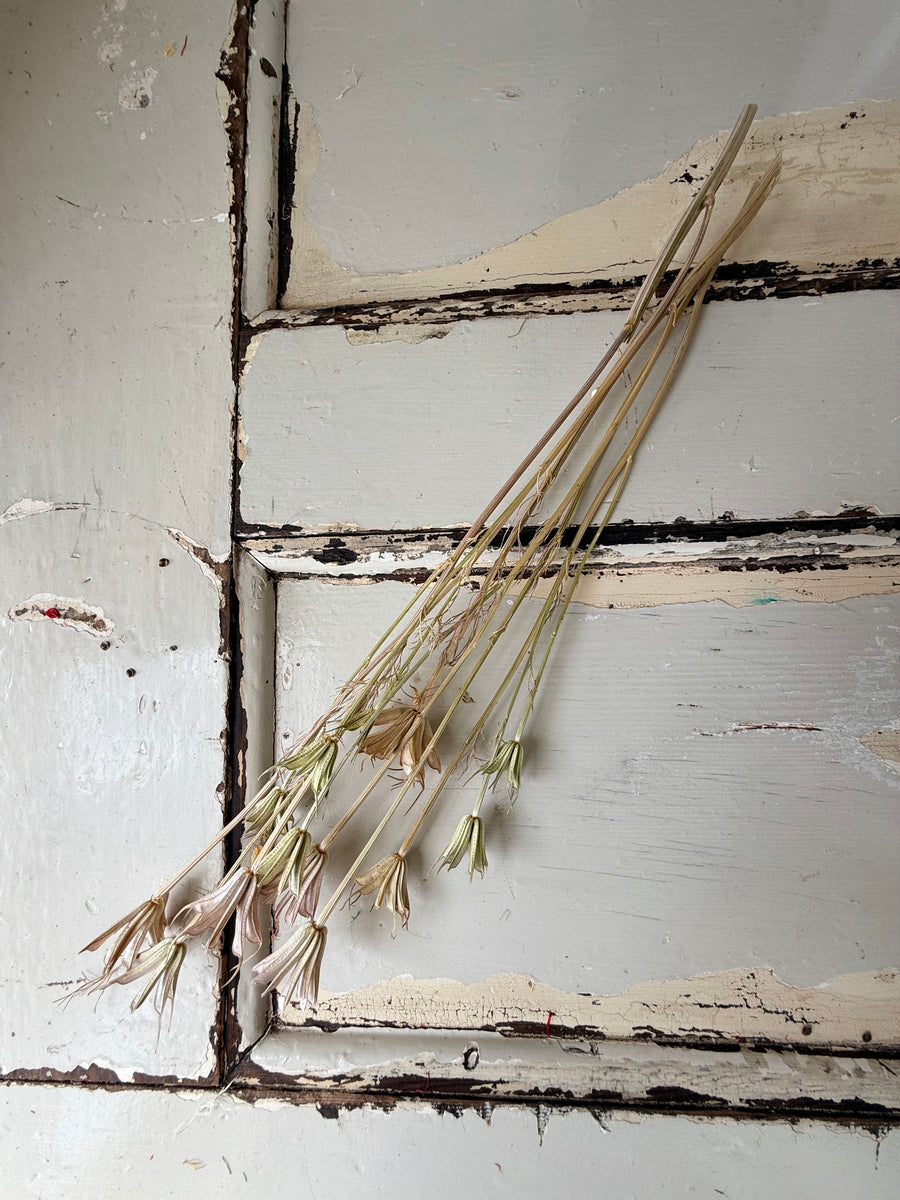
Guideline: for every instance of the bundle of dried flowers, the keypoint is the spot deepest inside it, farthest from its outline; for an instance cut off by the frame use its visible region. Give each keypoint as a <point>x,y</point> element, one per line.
<point>444,636</point>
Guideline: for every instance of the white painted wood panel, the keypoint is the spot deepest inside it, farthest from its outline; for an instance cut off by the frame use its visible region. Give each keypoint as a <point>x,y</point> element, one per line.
<point>698,796</point>
<point>780,406</point>
<point>431,133</point>
<point>116,393</point>
<point>194,1146</point>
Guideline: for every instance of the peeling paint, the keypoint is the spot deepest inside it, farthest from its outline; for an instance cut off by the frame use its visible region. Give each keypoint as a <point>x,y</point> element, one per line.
<point>217,570</point>
<point>740,1005</point>
<point>25,507</point>
<point>386,554</point>
<point>738,584</point>
<point>886,744</point>
<point>63,610</point>
<point>137,90</point>
<point>411,334</point>
<point>833,169</point>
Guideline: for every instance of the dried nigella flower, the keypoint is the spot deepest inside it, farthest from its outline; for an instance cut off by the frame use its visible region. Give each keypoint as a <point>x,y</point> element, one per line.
<point>235,895</point>
<point>263,812</point>
<point>298,891</point>
<point>315,760</point>
<point>290,849</point>
<point>402,729</point>
<point>506,760</point>
<point>162,963</point>
<point>469,837</point>
<point>147,922</point>
<point>388,878</point>
<point>294,968</point>
<point>290,876</point>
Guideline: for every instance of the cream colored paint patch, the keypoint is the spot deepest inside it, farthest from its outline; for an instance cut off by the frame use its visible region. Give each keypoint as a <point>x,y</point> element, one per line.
<point>411,334</point>
<point>838,163</point>
<point>886,744</point>
<point>646,587</point>
<point>749,1004</point>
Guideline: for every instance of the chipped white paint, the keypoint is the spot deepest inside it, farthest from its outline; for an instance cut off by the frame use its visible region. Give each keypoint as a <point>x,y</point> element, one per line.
<point>602,1071</point>
<point>256,615</point>
<point>207,562</point>
<point>644,587</point>
<point>136,93</point>
<point>260,164</point>
<point>731,1005</point>
<point>778,407</point>
<point>19,509</point>
<point>67,611</point>
<point>868,557</point>
<point>195,1147</point>
<point>118,389</point>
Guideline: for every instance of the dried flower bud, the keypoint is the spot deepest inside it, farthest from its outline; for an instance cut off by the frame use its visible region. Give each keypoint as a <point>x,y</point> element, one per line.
<point>402,730</point>
<point>300,884</point>
<point>506,760</point>
<point>388,878</point>
<point>468,838</point>
<point>291,848</point>
<point>238,894</point>
<point>355,719</point>
<point>294,968</point>
<point>262,814</point>
<point>147,922</point>
<point>161,962</point>
<point>316,761</point>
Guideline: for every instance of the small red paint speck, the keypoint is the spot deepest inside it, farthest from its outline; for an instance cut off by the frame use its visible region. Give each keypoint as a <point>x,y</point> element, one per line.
<point>52,613</point>
<point>184,47</point>
<point>427,1087</point>
<point>547,1030</point>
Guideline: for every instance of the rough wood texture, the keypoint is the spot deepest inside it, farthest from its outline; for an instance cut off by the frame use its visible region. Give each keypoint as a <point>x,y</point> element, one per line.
<point>478,1067</point>
<point>780,406</point>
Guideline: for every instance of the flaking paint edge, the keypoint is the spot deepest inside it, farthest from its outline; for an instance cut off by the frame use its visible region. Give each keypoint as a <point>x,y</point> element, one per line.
<point>838,162</point>
<point>734,1005</point>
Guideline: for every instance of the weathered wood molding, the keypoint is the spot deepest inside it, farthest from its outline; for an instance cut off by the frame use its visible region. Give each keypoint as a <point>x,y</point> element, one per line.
<point>793,564</point>
<point>743,1006</point>
<point>834,211</point>
<point>467,1070</point>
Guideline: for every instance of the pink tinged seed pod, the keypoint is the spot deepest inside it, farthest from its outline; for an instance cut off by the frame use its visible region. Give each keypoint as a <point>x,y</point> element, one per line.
<point>239,895</point>
<point>161,963</point>
<point>298,894</point>
<point>146,923</point>
<point>294,968</point>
